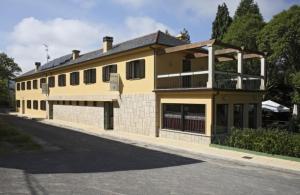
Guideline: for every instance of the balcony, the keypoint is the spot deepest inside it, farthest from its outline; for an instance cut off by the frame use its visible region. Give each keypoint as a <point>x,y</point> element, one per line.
<point>199,80</point>
<point>202,74</point>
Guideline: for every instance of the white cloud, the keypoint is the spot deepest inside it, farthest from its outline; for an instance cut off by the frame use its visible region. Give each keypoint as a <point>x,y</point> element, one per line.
<point>26,41</point>
<point>132,3</point>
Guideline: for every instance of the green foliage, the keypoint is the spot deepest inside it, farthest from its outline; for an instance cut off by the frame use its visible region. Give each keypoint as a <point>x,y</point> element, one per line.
<point>280,38</point>
<point>295,80</point>
<point>8,68</point>
<point>247,7</point>
<point>272,141</point>
<point>221,22</point>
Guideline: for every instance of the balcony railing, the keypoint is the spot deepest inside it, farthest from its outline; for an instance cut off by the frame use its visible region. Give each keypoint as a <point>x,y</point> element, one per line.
<point>182,80</point>
<point>222,80</point>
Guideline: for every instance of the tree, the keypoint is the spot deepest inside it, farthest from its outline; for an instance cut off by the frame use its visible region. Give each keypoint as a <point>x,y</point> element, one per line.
<point>8,71</point>
<point>221,22</point>
<point>281,39</point>
<point>247,7</point>
<point>185,35</point>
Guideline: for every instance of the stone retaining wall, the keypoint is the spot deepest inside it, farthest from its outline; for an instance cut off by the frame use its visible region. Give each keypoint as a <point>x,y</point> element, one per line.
<point>185,136</point>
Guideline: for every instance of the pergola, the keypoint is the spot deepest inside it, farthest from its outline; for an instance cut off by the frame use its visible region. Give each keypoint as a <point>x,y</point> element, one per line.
<point>213,53</point>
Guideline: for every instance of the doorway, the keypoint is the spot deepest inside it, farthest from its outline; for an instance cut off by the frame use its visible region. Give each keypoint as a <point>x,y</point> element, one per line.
<point>108,115</point>
<point>186,67</point>
<point>23,106</point>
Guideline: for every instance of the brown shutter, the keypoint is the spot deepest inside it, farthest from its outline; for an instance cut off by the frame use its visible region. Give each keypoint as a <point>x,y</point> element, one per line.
<point>114,68</point>
<point>77,78</point>
<point>142,68</point>
<point>85,76</point>
<point>103,73</point>
<point>128,70</point>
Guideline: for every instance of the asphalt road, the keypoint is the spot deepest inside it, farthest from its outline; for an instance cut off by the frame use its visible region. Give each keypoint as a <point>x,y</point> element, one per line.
<point>77,163</point>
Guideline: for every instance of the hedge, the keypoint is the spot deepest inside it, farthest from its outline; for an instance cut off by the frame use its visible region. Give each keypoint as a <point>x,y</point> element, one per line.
<point>272,141</point>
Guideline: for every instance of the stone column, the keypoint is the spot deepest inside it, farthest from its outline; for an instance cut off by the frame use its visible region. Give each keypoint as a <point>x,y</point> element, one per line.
<point>211,67</point>
<point>240,70</point>
<point>262,73</point>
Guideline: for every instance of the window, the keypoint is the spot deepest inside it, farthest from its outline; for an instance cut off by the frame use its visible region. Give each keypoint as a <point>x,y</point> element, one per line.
<point>106,70</point>
<point>252,114</point>
<point>94,103</point>
<point>77,103</point>
<point>90,76</point>
<point>35,104</point>
<point>85,103</point>
<point>63,102</point>
<point>18,103</point>
<point>34,84</point>
<point>135,69</point>
<point>29,104</point>
<point>62,80</point>
<point>18,86</point>
<point>184,117</point>
<point>43,105</point>
<point>222,118</point>
<point>74,78</point>
<point>51,81</point>
<point>42,80</point>
<point>23,85</point>
<point>28,85</point>
<point>238,111</point>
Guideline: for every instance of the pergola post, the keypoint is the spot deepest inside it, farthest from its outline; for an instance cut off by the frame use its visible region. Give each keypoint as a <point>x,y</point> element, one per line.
<point>211,66</point>
<point>240,70</point>
<point>262,73</point>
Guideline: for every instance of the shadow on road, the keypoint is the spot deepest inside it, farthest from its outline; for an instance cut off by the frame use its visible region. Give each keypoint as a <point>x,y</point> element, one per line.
<point>83,153</point>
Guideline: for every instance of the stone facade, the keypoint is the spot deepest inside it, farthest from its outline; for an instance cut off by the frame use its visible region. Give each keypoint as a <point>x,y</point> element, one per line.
<point>135,113</point>
<point>87,115</point>
<point>185,136</point>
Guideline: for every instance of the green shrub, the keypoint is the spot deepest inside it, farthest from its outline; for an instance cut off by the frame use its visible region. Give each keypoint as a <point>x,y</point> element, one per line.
<point>272,141</point>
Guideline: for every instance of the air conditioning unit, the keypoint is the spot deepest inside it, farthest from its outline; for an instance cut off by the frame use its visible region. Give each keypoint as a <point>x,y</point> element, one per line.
<point>114,82</point>
<point>45,88</point>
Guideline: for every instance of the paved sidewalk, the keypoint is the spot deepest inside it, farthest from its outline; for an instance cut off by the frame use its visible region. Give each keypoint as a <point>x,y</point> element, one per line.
<point>181,147</point>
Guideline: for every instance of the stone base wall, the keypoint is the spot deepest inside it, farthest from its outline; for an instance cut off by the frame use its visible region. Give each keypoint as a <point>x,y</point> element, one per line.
<point>135,113</point>
<point>87,115</point>
<point>185,136</point>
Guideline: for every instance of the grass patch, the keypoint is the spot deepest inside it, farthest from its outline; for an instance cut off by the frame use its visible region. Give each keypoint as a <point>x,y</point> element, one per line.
<point>255,153</point>
<point>13,140</point>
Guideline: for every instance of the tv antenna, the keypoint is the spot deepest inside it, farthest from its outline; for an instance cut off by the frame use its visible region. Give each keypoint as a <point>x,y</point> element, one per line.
<point>47,52</point>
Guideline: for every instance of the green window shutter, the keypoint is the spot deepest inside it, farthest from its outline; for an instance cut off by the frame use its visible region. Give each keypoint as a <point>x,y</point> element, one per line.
<point>142,68</point>
<point>85,76</point>
<point>128,70</point>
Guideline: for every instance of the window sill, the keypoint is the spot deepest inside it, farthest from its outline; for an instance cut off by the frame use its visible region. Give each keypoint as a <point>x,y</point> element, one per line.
<point>185,132</point>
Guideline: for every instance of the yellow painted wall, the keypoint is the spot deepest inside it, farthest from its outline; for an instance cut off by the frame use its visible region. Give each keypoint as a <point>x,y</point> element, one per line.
<point>144,85</point>
<point>172,63</point>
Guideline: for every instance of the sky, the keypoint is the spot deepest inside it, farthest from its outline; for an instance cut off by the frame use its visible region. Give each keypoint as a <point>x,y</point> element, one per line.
<point>65,25</point>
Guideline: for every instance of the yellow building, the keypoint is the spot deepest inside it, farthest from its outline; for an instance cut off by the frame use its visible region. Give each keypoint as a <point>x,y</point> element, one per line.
<point>154,85</point>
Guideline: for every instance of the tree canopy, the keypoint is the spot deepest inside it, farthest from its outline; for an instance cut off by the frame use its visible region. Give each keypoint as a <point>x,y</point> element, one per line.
<point>8,68</point>
<point>281,39</point>
<point>247,7</point>
<point>221,22</point>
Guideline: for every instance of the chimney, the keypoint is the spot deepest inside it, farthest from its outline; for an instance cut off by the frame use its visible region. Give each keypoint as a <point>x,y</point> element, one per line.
<point>75,54</point>
<point>37,66</point>
<point>107,43</point>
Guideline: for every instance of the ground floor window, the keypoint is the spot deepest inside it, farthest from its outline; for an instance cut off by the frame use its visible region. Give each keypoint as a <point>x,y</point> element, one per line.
<point>43,105</point>
<point>238,111</point>
<point>35,104</point>
<point>28,104</point>
<point>222,118</point>
<point>252,114</point>
<point>184,117</point>
<point>18,103</point>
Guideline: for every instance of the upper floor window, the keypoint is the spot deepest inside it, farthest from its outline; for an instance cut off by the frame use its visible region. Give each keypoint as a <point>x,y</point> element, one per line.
<point>135,69</point>
<point>106,70</point>
<point>62,80</point>
<point>23,85</point>
<point>18,86</point>
<point>28,104</point>
<point>74,78</point>
<point>34,84</point>
<point>90,76</point>
<point>42,80</point>
<point>35,104</point>
<point>43,105</point>
<point>51,81</point>
<point>28,84</point>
